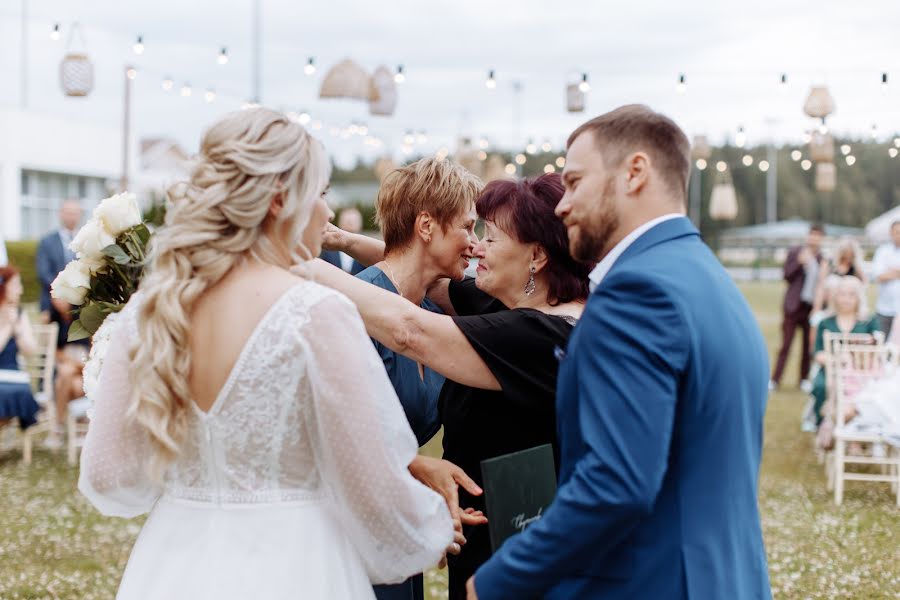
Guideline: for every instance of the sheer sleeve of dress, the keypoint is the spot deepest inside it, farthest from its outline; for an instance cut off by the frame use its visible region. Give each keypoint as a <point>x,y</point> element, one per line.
<point>112,473</point>
<point>364,446</point>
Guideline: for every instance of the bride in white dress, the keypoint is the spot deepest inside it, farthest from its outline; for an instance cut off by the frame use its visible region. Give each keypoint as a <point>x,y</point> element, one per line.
<point>245,408</point>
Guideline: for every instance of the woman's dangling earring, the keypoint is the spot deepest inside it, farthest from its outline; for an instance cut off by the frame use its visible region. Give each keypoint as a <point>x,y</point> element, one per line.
<point>529,287</point>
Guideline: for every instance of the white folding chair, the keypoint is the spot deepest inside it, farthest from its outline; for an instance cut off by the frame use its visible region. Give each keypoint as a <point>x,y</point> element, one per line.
<point>854,367</point>
<point>76,427</point>
<point>834,342</point>
<point>40,367</point>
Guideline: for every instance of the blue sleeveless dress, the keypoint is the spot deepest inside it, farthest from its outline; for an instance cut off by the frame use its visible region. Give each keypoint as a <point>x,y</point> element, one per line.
<point>16,399</point>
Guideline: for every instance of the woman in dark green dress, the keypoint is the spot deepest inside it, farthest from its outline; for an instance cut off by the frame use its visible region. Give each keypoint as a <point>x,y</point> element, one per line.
<point>848,304</point>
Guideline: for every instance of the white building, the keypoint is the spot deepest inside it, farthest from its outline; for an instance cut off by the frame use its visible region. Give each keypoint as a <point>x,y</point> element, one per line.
<point>46,159</point>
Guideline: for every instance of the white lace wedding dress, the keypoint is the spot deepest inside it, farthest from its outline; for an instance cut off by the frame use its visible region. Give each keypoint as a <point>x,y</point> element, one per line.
<point>293,485</point>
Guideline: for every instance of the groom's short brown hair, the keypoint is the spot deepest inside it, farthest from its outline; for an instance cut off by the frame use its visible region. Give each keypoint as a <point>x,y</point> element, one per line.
<point>635,127</point>
<point>439,187</point>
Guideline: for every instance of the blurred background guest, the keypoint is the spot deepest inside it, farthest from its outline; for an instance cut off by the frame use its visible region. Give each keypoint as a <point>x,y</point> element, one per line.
<point>801,271</point>
<point>850,316</point>
<point>886,272</point>
<point>16,399</point>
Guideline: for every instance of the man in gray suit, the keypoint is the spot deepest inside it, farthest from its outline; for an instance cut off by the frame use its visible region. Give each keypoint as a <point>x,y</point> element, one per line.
<point>52,257</point>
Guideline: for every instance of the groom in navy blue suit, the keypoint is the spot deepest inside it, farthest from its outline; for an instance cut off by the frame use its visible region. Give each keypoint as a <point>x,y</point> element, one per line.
<point>660,396</point>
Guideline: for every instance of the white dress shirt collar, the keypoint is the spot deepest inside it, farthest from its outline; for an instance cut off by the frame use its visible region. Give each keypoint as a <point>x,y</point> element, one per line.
<point>603,267</point>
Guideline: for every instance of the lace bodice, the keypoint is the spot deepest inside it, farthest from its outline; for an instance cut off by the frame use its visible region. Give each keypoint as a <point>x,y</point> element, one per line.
<point>306,412</point>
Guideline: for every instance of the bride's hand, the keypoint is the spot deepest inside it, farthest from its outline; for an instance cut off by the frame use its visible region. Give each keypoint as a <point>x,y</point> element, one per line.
<point>455,548</point>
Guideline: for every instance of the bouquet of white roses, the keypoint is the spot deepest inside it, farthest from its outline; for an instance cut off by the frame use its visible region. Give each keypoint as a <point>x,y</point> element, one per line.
<point>110,252</point>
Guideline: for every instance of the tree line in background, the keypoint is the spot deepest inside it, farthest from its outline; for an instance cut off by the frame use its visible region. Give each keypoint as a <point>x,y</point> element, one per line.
<point>866,189</point>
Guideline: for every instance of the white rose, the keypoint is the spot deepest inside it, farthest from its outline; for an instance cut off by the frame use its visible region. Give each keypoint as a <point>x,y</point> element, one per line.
<point>99,347</point>
<point>91,240</point>
<point>72,284</point>
<point>118,213</point>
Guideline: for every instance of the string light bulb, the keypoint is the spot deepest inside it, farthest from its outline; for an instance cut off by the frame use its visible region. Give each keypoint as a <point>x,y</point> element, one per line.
<point>763,165</point>
<point>186,90</point>
<point>806,165</point>
<point>561,162</point>
<point>747,160</point>
<point>701,164</point>
<point>482,155</point>
<point>884,82</point>
<point>510,169</point>
<point>210,96</point>
<point>897,142</point>
<point>546,147</point>
<point>531,148</point>
<point>483,143</point>
<point>520,159</point>
<point>845,149</point>
<point>741,138</point>
<point>892,152</point>
<point>167,84</point>
<point>874,131</point>
<point>399,77</point>
<point>796,155</point>
<point>310,68</point>
<point>222,59</point>
<point>131,73</point>
<point>139,45</point>
<point>721,166</point>
<point>681,86</point>
<point>409,139</point>
<point>784,80</point>
<point>851,160</point>
<point>491,82</point>
<point>584,86</point>
<point>549,169</point>
<point>304,118</point>
<point>55,35</point>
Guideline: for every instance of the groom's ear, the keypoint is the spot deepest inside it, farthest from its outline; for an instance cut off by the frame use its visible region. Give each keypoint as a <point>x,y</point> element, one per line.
<point>637,172</point>
<point>276,205</point>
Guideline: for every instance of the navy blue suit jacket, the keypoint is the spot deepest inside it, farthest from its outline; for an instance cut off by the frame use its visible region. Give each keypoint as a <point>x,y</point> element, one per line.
<point>660,405</point>
<point>51,260</point>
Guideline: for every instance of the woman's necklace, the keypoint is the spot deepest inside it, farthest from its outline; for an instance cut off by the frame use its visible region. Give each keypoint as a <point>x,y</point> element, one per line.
<point>394,280</point>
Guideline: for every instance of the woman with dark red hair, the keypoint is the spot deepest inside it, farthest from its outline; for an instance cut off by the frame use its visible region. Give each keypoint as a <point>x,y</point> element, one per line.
<point>500,364</point>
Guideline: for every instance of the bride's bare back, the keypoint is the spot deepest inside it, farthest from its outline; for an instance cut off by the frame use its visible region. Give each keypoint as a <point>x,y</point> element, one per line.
<point>223,320</point>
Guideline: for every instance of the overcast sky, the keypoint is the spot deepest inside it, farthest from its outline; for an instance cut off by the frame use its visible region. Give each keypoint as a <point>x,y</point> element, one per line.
<point>732,54</point>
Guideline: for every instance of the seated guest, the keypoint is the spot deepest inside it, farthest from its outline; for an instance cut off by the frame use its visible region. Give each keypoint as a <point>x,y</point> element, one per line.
<point>349,220</point>
<point>501,366</point>
<point>16,399</point>
<point>849,317</point>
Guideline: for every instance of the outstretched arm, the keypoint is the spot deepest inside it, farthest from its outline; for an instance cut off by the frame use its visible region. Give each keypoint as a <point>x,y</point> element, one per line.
<point>431,339</point>
<point>367,250</point>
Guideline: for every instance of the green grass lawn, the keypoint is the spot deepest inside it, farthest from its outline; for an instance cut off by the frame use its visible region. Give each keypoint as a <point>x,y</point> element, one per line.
<point>54,545</point>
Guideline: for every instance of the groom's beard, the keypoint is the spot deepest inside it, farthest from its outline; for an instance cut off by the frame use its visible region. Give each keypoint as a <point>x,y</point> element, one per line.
<point>598,228</point>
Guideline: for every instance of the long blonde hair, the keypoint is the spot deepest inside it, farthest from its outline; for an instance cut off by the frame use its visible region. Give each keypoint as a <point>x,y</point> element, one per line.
<point>214,222</point>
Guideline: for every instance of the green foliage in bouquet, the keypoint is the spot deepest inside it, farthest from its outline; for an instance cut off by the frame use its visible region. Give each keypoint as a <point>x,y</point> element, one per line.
<point>111,250</point>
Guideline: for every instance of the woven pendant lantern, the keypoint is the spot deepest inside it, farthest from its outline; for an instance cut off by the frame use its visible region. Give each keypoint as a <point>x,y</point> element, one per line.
<point>826,177</point>
<point>700,148</point>
<point>574,98</point>
<point>382,92</point>
<point>821,147</point>
<point>819,104</point>
<point>723,205</point>
<point>345,80</point>
<point>76,71</point>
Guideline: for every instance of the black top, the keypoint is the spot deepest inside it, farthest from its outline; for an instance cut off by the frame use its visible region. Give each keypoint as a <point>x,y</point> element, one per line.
<point>467,299</point>
<point>519,346</point>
